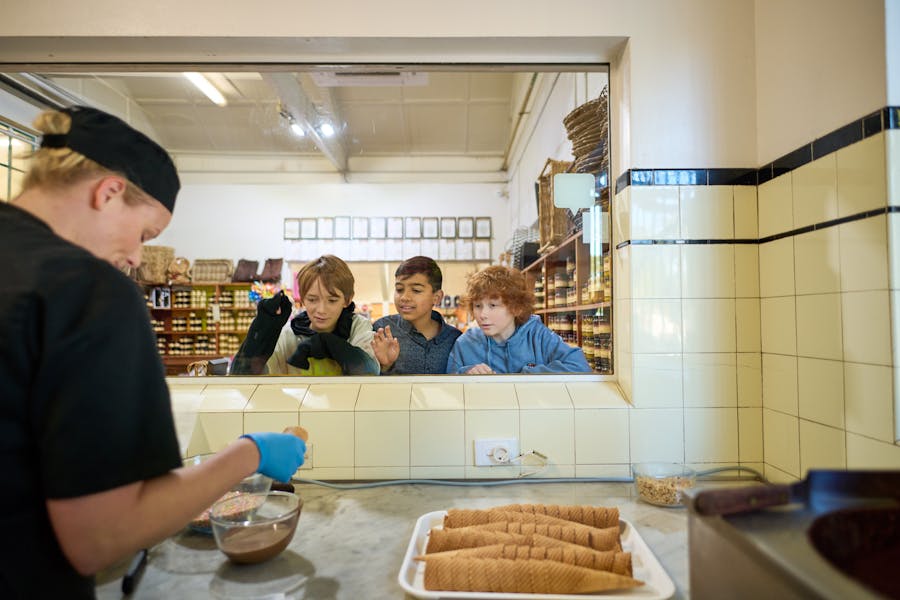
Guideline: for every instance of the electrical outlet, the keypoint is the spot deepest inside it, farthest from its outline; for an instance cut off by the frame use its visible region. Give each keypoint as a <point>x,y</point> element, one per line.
<point>495,452</point>
<point>308,457</point>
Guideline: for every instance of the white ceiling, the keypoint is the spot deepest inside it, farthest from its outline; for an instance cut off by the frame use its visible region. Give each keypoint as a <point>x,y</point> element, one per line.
<point>457,114</point>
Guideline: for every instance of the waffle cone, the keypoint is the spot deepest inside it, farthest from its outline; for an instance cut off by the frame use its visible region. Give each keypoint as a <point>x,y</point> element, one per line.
<point>570,554</point>
<point>589,537</point>
<point>519,576</point>
<point>441,540</point>
<point>594,516</point>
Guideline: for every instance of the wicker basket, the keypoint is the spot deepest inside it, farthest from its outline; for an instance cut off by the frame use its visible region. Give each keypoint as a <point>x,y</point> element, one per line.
<point>212,270</point>
<point>554,222</point>
<point>154,263</point>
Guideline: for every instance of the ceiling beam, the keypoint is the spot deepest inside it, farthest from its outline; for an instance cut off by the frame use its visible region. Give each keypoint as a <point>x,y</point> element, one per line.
<point>296,100</point>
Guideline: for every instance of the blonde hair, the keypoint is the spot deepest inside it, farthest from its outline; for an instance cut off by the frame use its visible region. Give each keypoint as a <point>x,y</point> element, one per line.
<point>331,271</point>
<point>61,167</point>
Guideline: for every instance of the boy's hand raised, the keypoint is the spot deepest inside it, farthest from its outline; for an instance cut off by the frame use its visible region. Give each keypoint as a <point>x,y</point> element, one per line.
<point>480,369</point>
<point>386,347</point>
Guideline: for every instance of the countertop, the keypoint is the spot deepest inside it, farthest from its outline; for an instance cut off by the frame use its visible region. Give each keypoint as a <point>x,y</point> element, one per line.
<point>350,544</point>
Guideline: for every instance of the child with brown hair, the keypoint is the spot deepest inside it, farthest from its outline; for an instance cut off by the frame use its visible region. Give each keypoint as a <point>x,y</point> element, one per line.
<point>509,339</point>
<point>326,338</point>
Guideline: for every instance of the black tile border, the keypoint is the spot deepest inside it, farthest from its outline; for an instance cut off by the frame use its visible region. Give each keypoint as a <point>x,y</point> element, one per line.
<point>769,238</point>
<point>855,131</point>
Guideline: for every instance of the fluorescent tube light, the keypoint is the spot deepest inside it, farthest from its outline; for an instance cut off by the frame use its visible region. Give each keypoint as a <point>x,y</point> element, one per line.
<point>207,88</point>
<point>298,130</point>
<point>326,129</point>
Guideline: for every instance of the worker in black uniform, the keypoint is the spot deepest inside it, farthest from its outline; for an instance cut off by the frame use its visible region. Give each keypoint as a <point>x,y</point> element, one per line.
<point>91,464</point>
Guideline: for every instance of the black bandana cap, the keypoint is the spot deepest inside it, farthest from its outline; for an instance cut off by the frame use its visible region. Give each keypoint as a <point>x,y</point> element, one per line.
<point>112,143</point>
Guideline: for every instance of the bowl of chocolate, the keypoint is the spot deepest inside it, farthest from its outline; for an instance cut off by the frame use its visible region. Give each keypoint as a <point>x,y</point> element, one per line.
<point>254,484</point>
<point>252,528</point>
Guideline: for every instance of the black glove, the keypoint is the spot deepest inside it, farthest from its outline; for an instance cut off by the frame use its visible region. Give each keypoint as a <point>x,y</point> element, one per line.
<point>353,360</point>
<point>311,347</point>
<point>271,315</point>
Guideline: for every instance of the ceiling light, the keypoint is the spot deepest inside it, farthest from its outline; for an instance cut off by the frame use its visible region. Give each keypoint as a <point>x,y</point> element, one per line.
<point>298,130</point>
<point>207,88</point>
<point>326,129</point>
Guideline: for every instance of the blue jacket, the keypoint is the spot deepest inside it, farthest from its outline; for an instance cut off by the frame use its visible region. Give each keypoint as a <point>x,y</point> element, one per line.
<point>532,348</point>
<point>418,355</point>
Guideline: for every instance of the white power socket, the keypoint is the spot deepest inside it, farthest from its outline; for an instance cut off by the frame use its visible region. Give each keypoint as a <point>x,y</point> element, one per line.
<point>496,452</point>
<point>308,457</point>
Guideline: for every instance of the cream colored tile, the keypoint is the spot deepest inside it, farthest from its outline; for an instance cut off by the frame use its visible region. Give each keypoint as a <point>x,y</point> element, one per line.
<point>657,381</point>
<point>596,394</point>
<point>490,396</point>
<point>815,191</point>
<point>821,391</point>
<point>623,331</point>
<point>220,428</point>
<point>551,471</point>
<point>821,447</point>
<point>656,435</point>
<point>473,472</point>
<point>779,325</point>
<point>222,398</point>
<point>864,254</point>
<point>270,421</point>
<point>437,438</point>
<point>329,473</point>
<point>707,271</point>
<point>747,324</point>
<point>656,326</point>
<point>654,212</point>
<point>375,473</point>
<point>437,396</point>
<point>384,396</point>
<point>776,268</point>
<point>622,268</point>
<point>866,453</point>
<point>330,397</point>
<point>437,472</point>
<point>892,155</point>
<point>781,440</point>
<point>746,220</point>
<point>869,400</point>
<point>775,206</point>
<point>332,434</point>
<point>625,372</point>
<point>817,261</point>
<point>861,176</point>
<point>746,271</point>
<point>382,439</point>
<point>750,434</point>
<point>780,383</point>
<point>707,212</point>
<point>711,435</point>
<point>749,378</point>
<point>602,471</point>
<point>489,424</point>
<point>778,476</point>
<point>601,436</point>
<point>656,271</point>
<point>551,432</point>
<point>819,326</point>
<point>710,380</point>
<point>277,398</point>
<point>709,325</point>
<point>543,396</point>
<point>866,324</point>
<point>622,216</point>
<point>894,246</point>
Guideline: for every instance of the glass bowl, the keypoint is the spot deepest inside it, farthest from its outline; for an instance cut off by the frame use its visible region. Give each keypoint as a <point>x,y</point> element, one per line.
<point>254,484</point>
<point>252,528</point>
<point>662,484</point>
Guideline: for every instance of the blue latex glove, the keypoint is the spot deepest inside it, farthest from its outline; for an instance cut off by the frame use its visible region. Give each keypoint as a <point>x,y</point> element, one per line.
<point>280,454</point>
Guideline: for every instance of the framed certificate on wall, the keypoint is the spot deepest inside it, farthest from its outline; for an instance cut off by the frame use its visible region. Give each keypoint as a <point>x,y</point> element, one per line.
<point>308,229</point>
<point>412,228</point>
<point>483,227</point>
<point>325,228</point>
<point>360,228</point>
<point>465,227</point>
<point>430,227</point>
<point>342,228</point>
<point>377,227</point>
<point>448,227</point>
<point>395,228</point>
<point>292,229</point>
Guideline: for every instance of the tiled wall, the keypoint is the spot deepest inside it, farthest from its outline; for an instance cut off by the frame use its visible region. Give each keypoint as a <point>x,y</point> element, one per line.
<point>767,337</point>
<point>401,428</point>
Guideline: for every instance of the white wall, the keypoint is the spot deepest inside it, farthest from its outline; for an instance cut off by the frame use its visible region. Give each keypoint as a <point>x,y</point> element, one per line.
<point>819,65</point>
<point>246,221</point>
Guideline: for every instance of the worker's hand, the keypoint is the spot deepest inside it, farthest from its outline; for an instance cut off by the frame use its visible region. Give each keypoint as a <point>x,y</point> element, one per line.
<point>386,347</point>
<point>480,369</point>
<point>280,454</point>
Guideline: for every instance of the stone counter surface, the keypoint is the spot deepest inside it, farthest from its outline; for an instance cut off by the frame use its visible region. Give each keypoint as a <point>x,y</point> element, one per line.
<point>350,544</point>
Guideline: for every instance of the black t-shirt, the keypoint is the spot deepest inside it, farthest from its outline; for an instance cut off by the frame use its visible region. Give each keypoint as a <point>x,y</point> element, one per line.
<point>84,405</point>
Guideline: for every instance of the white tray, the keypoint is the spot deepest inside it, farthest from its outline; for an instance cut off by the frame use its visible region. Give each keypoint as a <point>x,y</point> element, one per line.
<point>657,584</point>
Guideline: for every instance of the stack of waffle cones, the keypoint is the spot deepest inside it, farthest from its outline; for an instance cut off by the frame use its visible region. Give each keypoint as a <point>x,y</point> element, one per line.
<point>528,548</point>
